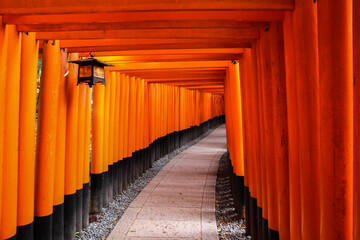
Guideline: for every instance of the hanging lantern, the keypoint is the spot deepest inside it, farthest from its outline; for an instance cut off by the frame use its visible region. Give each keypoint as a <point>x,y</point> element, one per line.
<point>91,71</point>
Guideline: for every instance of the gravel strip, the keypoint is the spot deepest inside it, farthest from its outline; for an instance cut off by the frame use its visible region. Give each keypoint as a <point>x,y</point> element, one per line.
<point>229,223</point>
<point>108,217</point>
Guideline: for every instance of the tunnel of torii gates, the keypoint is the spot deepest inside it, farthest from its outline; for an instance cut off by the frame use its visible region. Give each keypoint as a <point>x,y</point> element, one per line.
<point>283,73</point>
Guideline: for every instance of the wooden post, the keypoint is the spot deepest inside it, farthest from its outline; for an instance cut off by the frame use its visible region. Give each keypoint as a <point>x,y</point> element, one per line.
<point>268,108</point>
<point>127,153</point>
<point>59,179</point>
<point>112,85</point>
<point>131,122</point>
<point>46,140</point>
<point>98,160</point>
<point>3,67</point>
<point>80,155</point>
<point>336,118</point>
<point>86,168</point>
<point>106,133</point>
<point>356,32</point>
<point>280,127</point>
<point>307,84</point>
<point>28,97</point>
<point>293,130</point>
<point>116,136</point>
<point>71,148</point>
<point>11,134</point>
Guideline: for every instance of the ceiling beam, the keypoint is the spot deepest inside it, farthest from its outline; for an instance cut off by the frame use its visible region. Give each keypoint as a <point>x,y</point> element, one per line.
<point>56,27</point>
<point>184,80</point>
<point>196,84</point>
<point>136,16</point>
<point>165,74</point>
<point>171,57</point>
<point>193,82</point>
<point>220,33</point>
<point>132,41</point>
<point>113,50</point>
<point>96,6</point>
<point>173,51</point>
<point>222,65</point>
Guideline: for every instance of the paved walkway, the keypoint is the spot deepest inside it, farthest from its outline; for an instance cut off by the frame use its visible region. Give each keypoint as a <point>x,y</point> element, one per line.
<point>179,203</point>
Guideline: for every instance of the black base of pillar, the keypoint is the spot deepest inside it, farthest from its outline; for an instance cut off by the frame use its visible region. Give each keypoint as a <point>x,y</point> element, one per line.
<point>145,160</point>
<point>168,144</point>
<point>79,206</point>
<point>132,167</point>
<point>96,197</point>
<point>110,184</point>
<point>152,154</point>
<point>58,222</point>
<point>260,223</point>
<point>105,188</point>
<point>176,140</point>
<point>241,193</point>
<point>128,170</point>
<point>69,216</point>
<point>115,179</point>
<point>253,218</point>
<point>13,237</point>
<point>247,211</point>
<point>85,204</point>
<point>265,228</point>
<point>157,149</point>
<point>43,227</point>
<point>120,176</point>
<point>273,235</point>
<point>25,232</point>
<point>126,173</point>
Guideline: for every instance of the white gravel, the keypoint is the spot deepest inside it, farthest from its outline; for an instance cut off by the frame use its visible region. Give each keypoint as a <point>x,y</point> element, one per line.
<point>229,223</point>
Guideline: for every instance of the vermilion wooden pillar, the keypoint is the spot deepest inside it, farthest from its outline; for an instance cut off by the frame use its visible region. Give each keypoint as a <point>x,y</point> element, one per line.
<point>245,126</point>
<point>262,156</point>
<point>116,136</point>
<point>257,137</point>
<point>268,109</point>
<point>86,168</point>
<point>256,119</point>
<point>249,143</point>
<point>236,113</point>
<point>336,118</point>
<point>122,166</point>
<point>127,153</point>
<point>106,152</point>
<point>280,127</point>
<point>59,178</point>
<point>356,32</point>
<point>46,140</point>
<point>28,97</point>
<point>111,142</point>
<point>80,154</point>
<point>293,130</point>
<point>132,126</point>
<point>307,84</point>
<point>3,59</point>
<point>98,162</point>
<point>71,148</point>
<point>11,134</point>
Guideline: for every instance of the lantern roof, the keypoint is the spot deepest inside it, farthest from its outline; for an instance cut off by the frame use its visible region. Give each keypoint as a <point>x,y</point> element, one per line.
<point>91,61</point>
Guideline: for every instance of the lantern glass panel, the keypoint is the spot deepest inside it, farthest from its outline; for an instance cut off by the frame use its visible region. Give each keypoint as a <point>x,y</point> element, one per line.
<point>99,72</point>
<point>85,71</point>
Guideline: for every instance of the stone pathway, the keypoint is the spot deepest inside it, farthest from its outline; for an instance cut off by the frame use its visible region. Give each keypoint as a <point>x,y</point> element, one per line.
<point>179,203</point>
